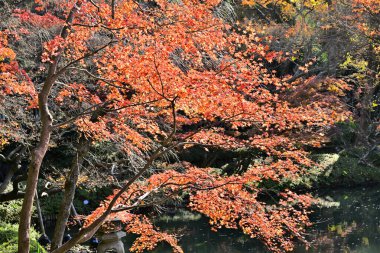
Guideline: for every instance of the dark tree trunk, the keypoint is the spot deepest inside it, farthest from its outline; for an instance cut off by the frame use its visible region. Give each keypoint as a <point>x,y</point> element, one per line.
<point>70,186</point>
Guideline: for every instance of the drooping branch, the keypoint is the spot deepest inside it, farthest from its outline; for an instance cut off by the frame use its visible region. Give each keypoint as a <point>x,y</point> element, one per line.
<point>14,160</point>
<point>17,194</point>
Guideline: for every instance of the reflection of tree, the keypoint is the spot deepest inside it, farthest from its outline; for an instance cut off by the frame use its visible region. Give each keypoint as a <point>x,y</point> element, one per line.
<point>196,237</point>
<point>334,239</point>
<point>350,227</point>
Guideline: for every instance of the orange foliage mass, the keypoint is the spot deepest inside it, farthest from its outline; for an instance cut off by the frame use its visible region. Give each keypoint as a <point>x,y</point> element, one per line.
<point>229,201</point>
<point>179,66</point>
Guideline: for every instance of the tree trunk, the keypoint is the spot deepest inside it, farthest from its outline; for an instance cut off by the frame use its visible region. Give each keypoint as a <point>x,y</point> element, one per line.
<point>33,171</point>
<point>39,151</point>
<point>86,233</point>
<point>70,186</point>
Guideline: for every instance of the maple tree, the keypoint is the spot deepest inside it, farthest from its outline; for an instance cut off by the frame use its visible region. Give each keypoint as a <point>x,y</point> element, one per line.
<point>156,77</point>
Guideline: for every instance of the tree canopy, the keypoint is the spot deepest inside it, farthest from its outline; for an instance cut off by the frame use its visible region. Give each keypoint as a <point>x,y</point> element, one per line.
<point>156,78</point>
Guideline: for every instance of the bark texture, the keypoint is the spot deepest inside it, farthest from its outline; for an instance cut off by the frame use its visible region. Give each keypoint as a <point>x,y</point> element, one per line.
<point>68,197</point>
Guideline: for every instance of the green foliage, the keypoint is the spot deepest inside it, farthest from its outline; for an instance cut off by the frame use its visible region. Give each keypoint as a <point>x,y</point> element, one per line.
<point>9,217</point>
<point>345,133</point>
<point>348,170</point>
<point>358,64</point>
<point>9,211</point>
<point>335,170</point>
<point>345,170</point>
<point>324,57</point>
<point>8,239</point>
<point>51,204</point>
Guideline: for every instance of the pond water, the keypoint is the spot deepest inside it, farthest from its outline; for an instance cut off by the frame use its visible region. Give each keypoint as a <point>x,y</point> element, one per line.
<point>351,224</point>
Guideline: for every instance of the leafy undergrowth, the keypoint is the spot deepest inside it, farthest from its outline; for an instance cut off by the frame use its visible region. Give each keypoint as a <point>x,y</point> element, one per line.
<point>8,239</point>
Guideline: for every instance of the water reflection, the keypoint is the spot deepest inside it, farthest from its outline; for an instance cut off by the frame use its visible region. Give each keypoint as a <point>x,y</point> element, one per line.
<point>352,227</point>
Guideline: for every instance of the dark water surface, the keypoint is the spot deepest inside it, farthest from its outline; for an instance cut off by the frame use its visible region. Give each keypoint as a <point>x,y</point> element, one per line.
<point>350,224</point>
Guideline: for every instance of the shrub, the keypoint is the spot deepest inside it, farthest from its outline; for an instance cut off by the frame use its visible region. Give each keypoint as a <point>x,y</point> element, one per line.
<point>8,239</point>
<point>10,210</point>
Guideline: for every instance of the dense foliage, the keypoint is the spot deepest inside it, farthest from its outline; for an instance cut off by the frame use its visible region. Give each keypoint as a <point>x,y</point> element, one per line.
<point>8,239</point>
<point>127,87</point>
